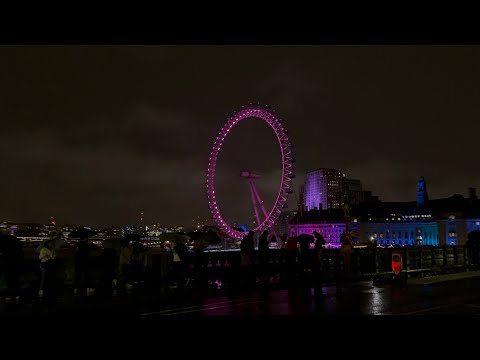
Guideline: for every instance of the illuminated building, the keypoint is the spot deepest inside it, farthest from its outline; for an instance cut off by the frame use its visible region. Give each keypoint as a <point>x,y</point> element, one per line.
<point>323,187</point>
<point>446,221</point>
<point>330,231</point>
<point>329,223</point>
<point>396,229</point>
<point>422,195</point>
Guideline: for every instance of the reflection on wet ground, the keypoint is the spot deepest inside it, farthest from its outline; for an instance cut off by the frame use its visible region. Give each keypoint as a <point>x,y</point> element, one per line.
<point>351,299</point>
<point>461,297</point>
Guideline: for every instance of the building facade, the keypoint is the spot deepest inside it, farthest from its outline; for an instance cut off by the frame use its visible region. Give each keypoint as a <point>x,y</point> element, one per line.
<point>454,230</point>
<point>408,232</point>
<point>330,231</point>
<point>322,187</point>
<point>438,222</point>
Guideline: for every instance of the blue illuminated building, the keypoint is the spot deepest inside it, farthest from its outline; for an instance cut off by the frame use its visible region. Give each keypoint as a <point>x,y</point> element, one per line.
<point>397,229</point>
<point>422,195</point>
<point>446,221</point>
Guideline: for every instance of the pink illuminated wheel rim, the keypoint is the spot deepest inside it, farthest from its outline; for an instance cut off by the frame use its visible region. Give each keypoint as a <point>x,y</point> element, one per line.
<point>267,115</point>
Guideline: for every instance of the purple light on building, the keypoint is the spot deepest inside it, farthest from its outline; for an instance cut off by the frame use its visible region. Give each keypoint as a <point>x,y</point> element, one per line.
<point>331,232</point>
<point>321,189</point>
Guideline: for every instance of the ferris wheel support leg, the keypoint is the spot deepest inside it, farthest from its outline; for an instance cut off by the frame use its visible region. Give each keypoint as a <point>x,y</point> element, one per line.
<point>259,199</point>
<point>252,194</point>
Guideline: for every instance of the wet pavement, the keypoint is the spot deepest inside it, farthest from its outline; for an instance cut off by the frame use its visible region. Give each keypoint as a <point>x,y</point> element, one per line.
<point>431,296</point>
<point>459,297</point>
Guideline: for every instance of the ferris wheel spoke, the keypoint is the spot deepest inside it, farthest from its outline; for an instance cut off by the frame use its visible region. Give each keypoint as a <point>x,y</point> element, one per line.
<point>255,209</point>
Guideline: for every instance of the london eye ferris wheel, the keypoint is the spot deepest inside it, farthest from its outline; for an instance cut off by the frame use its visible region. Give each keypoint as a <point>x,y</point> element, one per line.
<point>265,219</point>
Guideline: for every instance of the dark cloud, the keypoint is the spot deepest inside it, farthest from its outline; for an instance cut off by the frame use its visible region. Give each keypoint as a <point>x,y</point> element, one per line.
<point>99,134</point>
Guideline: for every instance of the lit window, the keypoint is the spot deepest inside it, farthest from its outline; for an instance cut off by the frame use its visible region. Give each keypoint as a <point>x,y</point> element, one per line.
<point>451,217</point>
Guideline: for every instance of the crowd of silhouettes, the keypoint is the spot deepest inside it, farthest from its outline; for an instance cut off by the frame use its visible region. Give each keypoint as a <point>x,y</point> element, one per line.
<point>115,270</point>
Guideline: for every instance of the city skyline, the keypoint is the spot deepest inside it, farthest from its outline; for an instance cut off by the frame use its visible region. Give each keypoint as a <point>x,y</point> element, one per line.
<point>100,134</point>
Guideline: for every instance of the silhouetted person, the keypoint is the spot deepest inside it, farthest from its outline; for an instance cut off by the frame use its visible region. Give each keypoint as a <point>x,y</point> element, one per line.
<point>109,263</point>
<point>305,261</point>
<point>263,258</point>
<point>263,244</point>
<point>12,264</point>
<point>346,251</point>
<point>304,249</point>
<point>247,262</point>
<point>201,281</point>
<point>124,266</point>
<point>319,241</point>
<point>47,269</point>
<point>179,252</point>
<point>473,246</point>
<point>81,258</point>
<point>291,254</point>
<point>137,259</point>
<point>317,262</point>
<point>247,245</point>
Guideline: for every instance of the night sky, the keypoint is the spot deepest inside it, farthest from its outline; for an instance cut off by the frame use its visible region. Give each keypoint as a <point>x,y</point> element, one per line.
<point>95,135</point>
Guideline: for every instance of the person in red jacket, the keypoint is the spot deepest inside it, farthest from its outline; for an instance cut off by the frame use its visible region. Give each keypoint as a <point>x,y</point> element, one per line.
<point>292,244</point>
